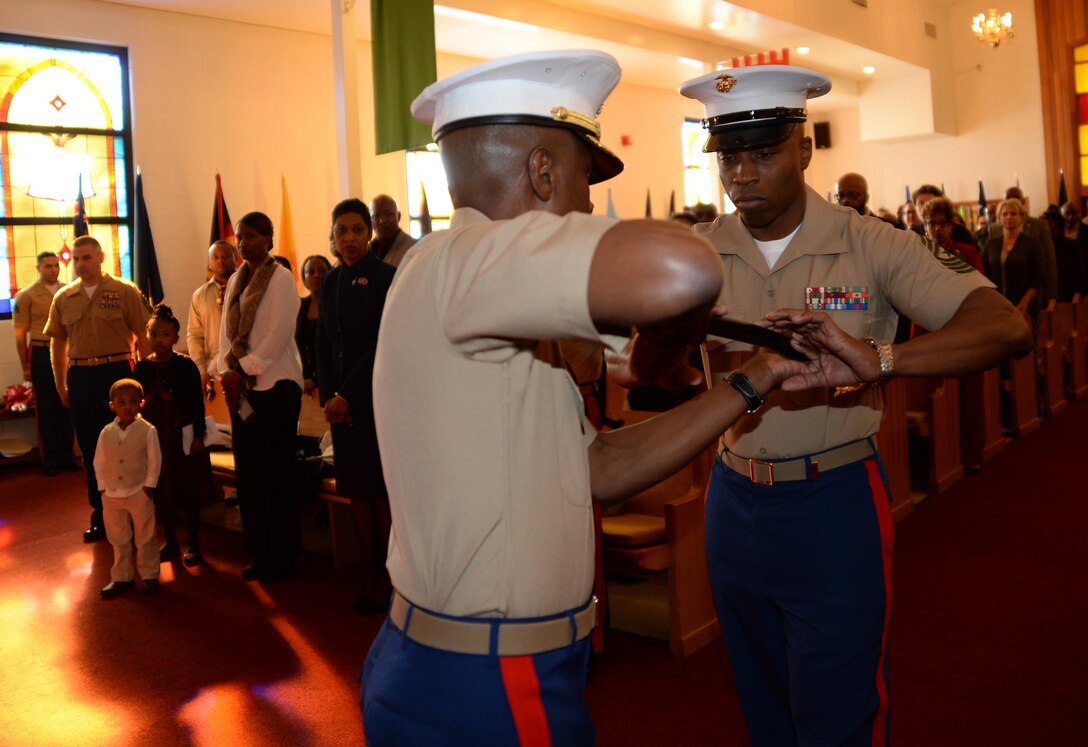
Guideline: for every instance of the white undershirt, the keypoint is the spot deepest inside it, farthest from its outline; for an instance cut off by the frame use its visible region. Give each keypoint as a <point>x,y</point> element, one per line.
<point>89,289</point>
<point>772,250</point>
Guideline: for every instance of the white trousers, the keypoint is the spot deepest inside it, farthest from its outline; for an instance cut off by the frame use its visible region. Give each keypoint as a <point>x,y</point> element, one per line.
<point>132,517</point>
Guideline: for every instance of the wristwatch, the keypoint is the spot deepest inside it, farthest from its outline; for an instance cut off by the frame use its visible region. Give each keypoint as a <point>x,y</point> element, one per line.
<point>883,350</point>
<point>743,384</point>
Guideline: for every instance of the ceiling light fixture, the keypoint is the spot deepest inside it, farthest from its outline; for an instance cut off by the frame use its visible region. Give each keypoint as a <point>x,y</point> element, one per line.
<point>803,50</point>
<point>716,25</point>
<point>992,28</point>
<point>868,70</point>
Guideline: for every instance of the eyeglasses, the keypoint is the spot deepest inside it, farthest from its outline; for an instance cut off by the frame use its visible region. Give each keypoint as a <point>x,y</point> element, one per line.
<point>850,195</point>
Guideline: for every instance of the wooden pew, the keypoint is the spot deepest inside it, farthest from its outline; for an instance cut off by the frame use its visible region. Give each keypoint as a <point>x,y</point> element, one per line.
<point>933,422</point>
<point>891,441</point>
<point>662,531</point>
<point>980,418</point>
<point>311,422</point>
<point>1050,360</point>
<point>1019,401</point>
<point>1074,355</point>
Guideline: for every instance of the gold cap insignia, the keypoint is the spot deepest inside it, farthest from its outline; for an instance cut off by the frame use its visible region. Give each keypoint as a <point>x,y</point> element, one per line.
<point>725,83</point>
<point>361,281</point>
<point>563,114</point>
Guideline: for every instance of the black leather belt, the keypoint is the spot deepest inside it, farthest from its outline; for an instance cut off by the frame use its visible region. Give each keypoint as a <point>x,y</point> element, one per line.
<point>39,343</point>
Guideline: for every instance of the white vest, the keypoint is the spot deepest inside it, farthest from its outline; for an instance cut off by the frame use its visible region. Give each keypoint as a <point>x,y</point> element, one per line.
<point>123,469</point>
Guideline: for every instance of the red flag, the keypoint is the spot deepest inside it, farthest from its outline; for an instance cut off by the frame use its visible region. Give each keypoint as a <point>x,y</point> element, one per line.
<point>222,230</point>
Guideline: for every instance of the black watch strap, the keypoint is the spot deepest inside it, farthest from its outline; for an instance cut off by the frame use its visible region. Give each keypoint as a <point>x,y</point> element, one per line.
<point>743,384</point>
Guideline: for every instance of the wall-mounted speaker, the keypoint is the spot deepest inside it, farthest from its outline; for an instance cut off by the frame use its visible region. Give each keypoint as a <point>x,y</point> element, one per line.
<point>821,134</point>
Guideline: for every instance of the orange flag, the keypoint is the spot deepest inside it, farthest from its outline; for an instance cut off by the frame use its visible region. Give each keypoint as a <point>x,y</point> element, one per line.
<point>286,233</point>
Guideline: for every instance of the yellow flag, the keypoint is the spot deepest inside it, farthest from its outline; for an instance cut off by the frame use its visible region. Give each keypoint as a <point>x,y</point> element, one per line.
<point>287,236</point>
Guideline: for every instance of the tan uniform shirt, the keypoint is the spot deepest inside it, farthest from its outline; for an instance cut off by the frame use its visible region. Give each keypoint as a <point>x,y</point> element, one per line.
<point>202,332</point>
<point>32,309</point>
<point>482,432</point>
<point>884,268</point>
<point>102,324</point>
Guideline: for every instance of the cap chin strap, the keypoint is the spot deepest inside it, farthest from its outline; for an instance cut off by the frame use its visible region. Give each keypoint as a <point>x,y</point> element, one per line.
<point>777,115</point>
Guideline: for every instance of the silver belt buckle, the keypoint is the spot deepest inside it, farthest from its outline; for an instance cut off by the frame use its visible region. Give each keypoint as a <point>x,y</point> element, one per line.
<point>752,472</point>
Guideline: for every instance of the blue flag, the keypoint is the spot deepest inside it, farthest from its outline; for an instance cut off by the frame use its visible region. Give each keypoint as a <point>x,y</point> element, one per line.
<point>907,190</point>
<point>145,268</point>
<point>981,199</point>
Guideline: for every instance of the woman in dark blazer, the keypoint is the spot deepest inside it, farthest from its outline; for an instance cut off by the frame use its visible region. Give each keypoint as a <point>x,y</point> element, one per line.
<point>313,274</point>
<point>1015,263</point>
<point>352,298</point>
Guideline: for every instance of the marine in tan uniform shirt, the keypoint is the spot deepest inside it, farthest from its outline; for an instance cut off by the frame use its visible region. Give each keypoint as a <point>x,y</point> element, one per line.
<point>31,311</point>
<point>798,522</point>
<point>94,339</point>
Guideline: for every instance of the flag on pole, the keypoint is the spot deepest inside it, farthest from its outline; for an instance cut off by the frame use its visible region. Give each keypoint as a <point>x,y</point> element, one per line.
<point>906,190</point>
<point>982,210</point>
<point>672,203</point>
<point>611,212</point>
<point>1063,195</point>
<point>424,215</point>
<point>79,215</point>
<point>221,225</point>
<point>286,241</point>
<point>145,268</point>
<point>649,211</point>
<point>403,58</point>
<point>222,229</point>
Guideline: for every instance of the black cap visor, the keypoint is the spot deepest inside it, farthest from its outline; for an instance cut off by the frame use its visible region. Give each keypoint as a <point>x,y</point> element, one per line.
<point>606,164</point>
<point>750,137</point>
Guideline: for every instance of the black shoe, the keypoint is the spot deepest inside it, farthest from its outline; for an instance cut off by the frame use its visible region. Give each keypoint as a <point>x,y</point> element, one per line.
<point>113,588</point>
<point>51,471</point>
<point>169,551</point>
<point>231,500</point>
<point>151,585</point>
<point>94,534</point>
<point>274,574</point>
<point>191,557</point>
<point>252,573</point>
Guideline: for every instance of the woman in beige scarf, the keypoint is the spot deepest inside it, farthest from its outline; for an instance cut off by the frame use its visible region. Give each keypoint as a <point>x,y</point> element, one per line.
<point>262,380</point>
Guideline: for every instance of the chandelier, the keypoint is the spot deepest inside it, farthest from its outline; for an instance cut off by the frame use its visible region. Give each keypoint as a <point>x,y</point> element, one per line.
<point>991,28</point>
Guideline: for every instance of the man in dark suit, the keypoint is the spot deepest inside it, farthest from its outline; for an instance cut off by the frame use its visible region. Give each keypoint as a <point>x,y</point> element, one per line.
<point>1075,229</point>
<point>390,243</point>
<point>352,299</point>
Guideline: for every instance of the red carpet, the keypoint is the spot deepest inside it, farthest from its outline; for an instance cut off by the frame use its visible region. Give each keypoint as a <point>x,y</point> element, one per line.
<point>987,645</point>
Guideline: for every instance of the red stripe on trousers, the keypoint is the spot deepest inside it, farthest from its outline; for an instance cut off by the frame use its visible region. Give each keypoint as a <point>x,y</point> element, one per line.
<point>887,535</point>
<point>523,693</point>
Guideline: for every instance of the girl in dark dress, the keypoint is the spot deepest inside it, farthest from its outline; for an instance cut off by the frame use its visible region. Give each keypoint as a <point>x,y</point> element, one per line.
<point>173,401</point>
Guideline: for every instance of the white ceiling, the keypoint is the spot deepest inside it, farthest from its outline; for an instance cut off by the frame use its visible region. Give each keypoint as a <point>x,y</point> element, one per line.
<point>659,44</point>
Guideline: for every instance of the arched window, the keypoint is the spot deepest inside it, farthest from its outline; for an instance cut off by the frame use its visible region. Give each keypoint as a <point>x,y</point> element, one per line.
<point>64,130</point>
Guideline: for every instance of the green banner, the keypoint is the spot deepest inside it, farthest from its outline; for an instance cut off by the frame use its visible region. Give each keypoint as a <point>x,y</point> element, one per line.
<point>402,49</point>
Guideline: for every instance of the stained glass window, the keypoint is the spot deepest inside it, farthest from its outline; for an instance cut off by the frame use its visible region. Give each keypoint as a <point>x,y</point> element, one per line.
<point>426,176</point>
<point>64,131</point>
<point>1080,87</point>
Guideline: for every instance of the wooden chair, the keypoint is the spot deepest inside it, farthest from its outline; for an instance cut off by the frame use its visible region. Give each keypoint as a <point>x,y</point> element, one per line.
<point>1051,356</point>
<point>933,422</point>
<point>1074,355</point>
<point>980,418</point>
<point>661,531</point>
